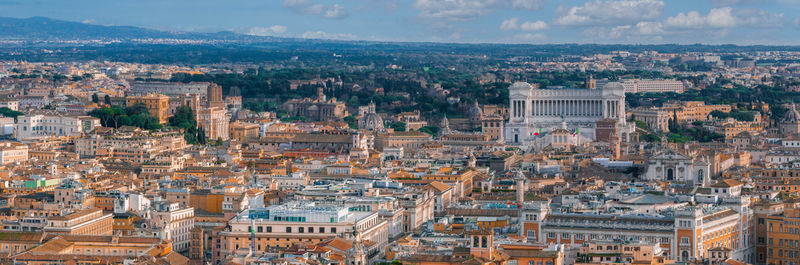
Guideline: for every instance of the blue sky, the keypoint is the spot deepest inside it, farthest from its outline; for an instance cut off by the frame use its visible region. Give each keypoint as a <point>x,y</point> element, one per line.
<point>471,21</point>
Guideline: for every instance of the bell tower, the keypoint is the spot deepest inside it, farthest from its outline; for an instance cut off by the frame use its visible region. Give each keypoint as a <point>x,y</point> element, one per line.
<point>481,243</point>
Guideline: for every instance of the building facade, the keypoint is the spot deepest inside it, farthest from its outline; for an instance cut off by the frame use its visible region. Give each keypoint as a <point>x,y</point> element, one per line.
<point>157,104</point>
<point>547,109</point>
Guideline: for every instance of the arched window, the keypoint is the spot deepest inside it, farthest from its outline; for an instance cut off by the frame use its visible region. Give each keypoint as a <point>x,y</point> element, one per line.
<point>700,176</point>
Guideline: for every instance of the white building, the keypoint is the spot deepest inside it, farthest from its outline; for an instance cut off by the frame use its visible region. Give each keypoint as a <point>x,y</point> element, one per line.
<point>43,124</point>
<point>671,166</point>
<point>534,109</point>
<point>11,152</point>
<point>171,222</point>
<point>279,225</point>
<point>649,85</point>
<point>171,89</point>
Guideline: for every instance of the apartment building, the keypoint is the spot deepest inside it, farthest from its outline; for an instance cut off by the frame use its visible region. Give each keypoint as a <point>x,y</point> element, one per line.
<point>685,233</point>
<point>156,104</point>
<point>12,152</point>
<point>84,222</point>
<point>783,237</point>
<point>170,221</point>
<point>43,124</point>
<point>298,221</point>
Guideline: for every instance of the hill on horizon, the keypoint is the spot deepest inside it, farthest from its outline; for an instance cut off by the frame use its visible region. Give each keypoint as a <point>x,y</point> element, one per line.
<point>47,29</point>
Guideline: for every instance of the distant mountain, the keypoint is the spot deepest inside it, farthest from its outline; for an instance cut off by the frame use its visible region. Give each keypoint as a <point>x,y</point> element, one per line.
<point>46,29</point>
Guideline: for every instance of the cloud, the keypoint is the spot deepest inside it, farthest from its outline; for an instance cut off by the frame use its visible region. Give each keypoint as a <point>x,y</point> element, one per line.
<point>725,17</point>
<point>324,35</point>
<point>737,2</point>
<point>460,10</point>
<point>307,7</point>
<point>388,5</point>
<point>267,31</point>
<point>717,23</point>
<point>609,12</point>
<point>528,4</point>
<point>336,12</point>
<point>454,9</point>
<point>514,24</point>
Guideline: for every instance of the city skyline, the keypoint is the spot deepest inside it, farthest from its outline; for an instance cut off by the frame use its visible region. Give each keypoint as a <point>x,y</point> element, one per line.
<point>743,22</point>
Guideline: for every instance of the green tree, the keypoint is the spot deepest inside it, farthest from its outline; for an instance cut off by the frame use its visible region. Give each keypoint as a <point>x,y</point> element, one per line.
<point>201,136</point>
<point>6,112</point>
<point>399,126</point>
<point>137,116</point>
<point>107,100</point>
<point>642,125</point>
<point>95,98</point>
<point>351,121</point>
<point>184,119</point>
<point>432,130</point>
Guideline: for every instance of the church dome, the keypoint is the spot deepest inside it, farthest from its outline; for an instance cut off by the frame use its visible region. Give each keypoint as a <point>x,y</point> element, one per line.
<point>791,115</point>
<point>475,111</point>
<point>371,121</point>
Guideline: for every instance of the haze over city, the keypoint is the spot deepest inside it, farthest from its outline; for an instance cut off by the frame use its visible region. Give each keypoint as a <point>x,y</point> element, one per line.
<point>400,132</point>
<point>470,21</point>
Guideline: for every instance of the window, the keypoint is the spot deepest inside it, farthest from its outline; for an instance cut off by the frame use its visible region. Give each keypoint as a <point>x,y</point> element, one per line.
<point>684,240</point>
<point>300,230</point>
<point>333,230</point>
<point>564,235</point>
<point>288,229</point>
<point>322,230</point>
<point>269,229</point>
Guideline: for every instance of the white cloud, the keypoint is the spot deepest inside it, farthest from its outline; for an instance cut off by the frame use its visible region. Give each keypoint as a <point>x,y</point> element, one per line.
<point>460,10</point>
<point>455,9</point>
<point>609,12</point>
<point>307,7</point>
<point>267,31</point>
<point>737,2</point>
<point>717,23</point>
<point>725,17</point>
<point>759,18</point>
<point>324,35</point>
<point>648,28</point>
<point>528,4</point>
<point>514,24</point>
<point>336,12</point>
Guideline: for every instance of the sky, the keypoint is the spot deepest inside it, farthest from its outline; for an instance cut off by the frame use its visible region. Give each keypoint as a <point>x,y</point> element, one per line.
<point>745,22</point>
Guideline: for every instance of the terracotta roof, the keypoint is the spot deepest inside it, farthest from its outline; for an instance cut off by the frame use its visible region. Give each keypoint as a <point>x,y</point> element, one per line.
<point>727,183</point>
<point>339,244</point>
<point>54,246</point>
<point>439,186</point>
<point>175,258</point>
<point>22,236</point>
